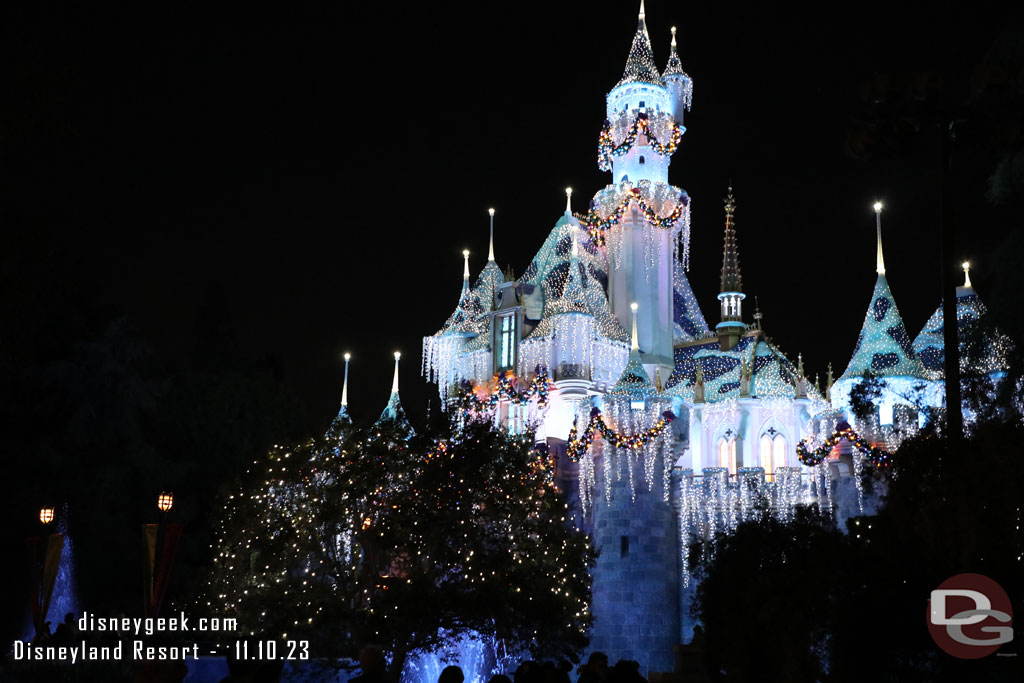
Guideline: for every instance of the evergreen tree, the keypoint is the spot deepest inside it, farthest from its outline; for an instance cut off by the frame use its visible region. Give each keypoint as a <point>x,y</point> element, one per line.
<point>379,535</point>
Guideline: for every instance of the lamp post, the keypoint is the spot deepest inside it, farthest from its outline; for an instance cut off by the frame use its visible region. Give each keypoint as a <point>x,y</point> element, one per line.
<point>44,555</point>
<point>159,546</point>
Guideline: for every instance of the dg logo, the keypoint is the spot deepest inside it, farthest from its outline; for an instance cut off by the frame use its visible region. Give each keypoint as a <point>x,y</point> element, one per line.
<point>969,616</point>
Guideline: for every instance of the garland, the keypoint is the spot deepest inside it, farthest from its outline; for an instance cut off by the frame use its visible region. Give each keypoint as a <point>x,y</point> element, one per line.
<point>539,387</point>
<point>576,446</point>
<point>606,147</point>
<point>597,225</point>
<point>877,456</point>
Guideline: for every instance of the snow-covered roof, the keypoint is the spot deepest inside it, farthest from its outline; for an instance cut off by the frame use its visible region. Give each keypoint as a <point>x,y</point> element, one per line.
<point>774,376</point>
<point>883,347</point>
<point>570,284</point>
<point>686,315</point>
<point>977,355</point>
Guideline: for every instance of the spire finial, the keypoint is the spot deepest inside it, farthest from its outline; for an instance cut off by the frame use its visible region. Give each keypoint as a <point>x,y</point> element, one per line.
<point>465,270</point>
<point>635,346</point>
<point>967,273</point>
<point>344,387</point>
<point>568,201</point>
<point>394,382</point>
<point>879,261</point>
<point>490,250</point>
<point>757,313</point>
<point>673,38</point>
<point>642,20</point>
<point>800,364</point>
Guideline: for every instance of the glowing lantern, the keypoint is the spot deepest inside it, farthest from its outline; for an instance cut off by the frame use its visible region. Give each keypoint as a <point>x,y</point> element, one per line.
<point>165,501</point>
<point>46,515</point>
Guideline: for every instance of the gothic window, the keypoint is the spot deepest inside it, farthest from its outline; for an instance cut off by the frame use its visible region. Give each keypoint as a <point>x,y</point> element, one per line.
<point>727,454</point>
<point>505,342</point>
<point>641,159</point>
<point>779,451</point>
<point>766,456</point>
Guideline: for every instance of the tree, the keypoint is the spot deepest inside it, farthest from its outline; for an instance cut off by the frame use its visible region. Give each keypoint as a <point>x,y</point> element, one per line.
<point>803,601</point>
<point>379,535</point>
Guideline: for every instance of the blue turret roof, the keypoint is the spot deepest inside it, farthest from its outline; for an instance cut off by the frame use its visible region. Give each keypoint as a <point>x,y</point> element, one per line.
<point>982,355</point>
<point>689,321</point>
<point>634,382</point>
<point>883,347</point>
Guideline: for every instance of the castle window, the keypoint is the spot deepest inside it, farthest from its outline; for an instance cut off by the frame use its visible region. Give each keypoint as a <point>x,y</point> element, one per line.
<point>624,546</point>
<point>506,340</point>
<point>516,419</point>
<point>641,104</point>
<point>641,159</point>
<point>727,454</point>
<point>766,456</point>
<point>885,414</point>
<point>779,451</point>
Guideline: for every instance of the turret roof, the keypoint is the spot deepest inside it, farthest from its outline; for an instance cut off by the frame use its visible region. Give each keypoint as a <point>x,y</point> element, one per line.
<point>640,66</point>
<point>883,347</point>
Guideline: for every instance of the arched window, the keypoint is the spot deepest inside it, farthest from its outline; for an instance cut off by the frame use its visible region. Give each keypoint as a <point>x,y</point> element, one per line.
<point>779,451</point>
<point>765,448</point>
<point>723,452</point>
<point>641,158</point>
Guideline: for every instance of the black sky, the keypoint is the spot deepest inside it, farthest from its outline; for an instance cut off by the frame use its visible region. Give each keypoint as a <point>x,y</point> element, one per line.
<point>312,172</point>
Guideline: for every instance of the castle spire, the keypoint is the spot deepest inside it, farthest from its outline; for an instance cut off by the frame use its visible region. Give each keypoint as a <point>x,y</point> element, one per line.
<point>731,279</point>
<point>674,67</point>
<point>394,382</point>
<point>344,386</point>
<point>967,274</point>
<point>879,260</point>
<point>394,410</point>
<point>731,296</point>
<point>490,249</point>
<point>640,66</point>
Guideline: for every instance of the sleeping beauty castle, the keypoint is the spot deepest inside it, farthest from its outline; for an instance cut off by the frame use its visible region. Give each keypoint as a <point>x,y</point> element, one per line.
<point>666,425</point>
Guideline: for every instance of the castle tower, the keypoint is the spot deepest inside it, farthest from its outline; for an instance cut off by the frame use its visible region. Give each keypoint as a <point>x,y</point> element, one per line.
<point>678,83</point>
<point>731,295</point>
<point>636,580</point>
<point>640,214</point>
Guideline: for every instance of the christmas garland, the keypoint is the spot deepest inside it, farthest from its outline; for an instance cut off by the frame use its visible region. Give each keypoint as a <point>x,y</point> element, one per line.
<point>576,446</point>
<point>506,391</point>
<point>606,147</point>
<point>597,224</point>
<point>876,456</point>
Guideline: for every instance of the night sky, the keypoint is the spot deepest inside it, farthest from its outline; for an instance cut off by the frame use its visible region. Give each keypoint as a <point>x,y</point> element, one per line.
<point>311,174</point>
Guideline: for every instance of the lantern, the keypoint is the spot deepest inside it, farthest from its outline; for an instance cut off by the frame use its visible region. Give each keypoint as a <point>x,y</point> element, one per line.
<point>165,501</point>
<point>46,515</point>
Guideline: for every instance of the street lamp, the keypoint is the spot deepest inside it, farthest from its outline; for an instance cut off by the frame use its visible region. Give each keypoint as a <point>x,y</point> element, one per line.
<point>165,501</point>
<point>46,515</point>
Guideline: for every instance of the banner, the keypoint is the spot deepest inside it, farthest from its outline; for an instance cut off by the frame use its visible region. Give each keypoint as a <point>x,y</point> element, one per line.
<point>159,545</point>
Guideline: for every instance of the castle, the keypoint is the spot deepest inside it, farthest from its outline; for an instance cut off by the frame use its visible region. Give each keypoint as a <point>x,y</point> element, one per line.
<point>665,428</point>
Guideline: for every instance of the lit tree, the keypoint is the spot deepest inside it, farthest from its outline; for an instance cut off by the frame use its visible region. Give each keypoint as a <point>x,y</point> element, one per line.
<point>383,536</point>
